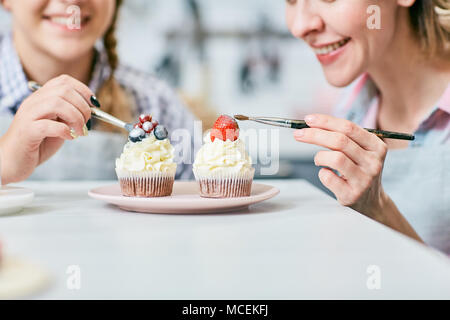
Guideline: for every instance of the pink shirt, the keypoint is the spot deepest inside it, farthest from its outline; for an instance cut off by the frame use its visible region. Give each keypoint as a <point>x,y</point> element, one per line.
<point>361,106</point>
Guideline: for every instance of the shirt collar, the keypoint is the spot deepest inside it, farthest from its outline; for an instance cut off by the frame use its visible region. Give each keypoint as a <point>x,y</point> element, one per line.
<point>363,103</point>
<point>14,83</point>
<point>444,102</point>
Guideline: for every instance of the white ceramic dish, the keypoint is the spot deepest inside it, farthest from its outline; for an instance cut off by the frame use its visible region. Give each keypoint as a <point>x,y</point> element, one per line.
<point>13,200</point>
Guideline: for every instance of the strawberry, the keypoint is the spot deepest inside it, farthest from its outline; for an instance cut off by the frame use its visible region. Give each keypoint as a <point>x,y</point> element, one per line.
<point>225,128</point>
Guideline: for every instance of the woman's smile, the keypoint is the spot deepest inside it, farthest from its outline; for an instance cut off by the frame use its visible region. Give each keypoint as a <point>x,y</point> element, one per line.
<point>329,53</point>
<point>66,22</point>
<point>65,30</point>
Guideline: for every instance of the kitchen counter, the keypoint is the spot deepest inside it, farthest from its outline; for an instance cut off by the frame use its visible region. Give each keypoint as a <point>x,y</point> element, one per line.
<point>299,245</point>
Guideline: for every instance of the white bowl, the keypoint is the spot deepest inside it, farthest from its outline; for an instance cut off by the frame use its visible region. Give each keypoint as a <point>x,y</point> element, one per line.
<point>13,200</point>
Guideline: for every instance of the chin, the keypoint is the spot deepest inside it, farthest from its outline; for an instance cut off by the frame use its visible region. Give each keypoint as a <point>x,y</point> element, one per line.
<point>341,78</point>
<point>68,50</point>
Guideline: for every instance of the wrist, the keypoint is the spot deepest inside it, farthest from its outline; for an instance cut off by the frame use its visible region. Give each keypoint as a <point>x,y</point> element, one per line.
<point>388,214</point>
<point>382,207</point>
<point>6,168</point>
<point>376,208</point>
<point>2,164</point>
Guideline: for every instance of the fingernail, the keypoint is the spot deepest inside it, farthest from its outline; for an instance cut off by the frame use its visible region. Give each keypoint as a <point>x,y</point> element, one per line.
<point>299,133</point>
<point>85,131</point>
<point>95,102</point>
<point>73,134</point>
<point>88,124</point>
<point>310,119</point>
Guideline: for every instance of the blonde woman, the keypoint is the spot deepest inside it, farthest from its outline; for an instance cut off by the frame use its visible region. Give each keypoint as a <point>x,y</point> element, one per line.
<point>73,63</point>
<point>401,75</point>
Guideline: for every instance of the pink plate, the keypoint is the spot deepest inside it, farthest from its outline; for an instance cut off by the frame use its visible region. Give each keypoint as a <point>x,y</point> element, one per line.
<point>184,199</point>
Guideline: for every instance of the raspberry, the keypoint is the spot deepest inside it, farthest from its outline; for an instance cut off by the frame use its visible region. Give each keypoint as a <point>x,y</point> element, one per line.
<point>144,118</point>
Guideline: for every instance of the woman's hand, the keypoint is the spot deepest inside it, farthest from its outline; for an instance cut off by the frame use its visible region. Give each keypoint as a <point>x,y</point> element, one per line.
<point>356,154</point>
<point>41,125</point>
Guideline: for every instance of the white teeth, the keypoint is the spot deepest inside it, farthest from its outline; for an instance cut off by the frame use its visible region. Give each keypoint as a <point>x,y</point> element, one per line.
<point>330,48</point>
<point>65,21</point>
<point>60,20</point>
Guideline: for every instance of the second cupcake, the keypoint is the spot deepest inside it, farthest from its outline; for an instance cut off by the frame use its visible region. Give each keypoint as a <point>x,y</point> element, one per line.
<point>222,167</point>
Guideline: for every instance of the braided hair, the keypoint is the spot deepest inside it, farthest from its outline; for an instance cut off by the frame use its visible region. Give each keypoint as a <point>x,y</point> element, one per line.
<point>113,97</point>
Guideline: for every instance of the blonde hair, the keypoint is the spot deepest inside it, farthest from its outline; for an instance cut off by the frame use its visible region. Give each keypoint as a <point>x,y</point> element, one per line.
<point>111,95</point>
<point>431,22</point>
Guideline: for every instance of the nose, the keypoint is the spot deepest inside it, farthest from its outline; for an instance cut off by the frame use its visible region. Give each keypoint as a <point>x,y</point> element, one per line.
<point>303,21</point>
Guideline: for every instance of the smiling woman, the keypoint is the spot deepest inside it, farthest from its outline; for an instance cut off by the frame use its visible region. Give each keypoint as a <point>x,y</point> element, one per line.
<point>66,33</point>
<point>69,48</point>
<point>400,76</point>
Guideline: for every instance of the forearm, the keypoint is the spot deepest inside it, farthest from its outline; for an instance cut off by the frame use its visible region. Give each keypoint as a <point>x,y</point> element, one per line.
<point>4,166</point>
<point>390,215</point>
<point>12,169</point>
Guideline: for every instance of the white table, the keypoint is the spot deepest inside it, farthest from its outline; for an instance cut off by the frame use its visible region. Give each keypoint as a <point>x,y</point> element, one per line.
<point>300,245</point>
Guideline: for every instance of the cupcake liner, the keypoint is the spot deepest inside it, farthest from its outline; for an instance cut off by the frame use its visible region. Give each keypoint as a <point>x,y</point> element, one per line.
<point>220,185</point>
<point>146,184</point>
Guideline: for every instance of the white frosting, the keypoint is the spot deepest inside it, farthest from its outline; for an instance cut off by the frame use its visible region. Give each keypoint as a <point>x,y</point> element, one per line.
<point>149,154</point>
<point>222,157</point>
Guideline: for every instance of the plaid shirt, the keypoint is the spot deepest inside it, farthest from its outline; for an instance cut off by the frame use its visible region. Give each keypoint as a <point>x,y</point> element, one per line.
<point>150,95</point>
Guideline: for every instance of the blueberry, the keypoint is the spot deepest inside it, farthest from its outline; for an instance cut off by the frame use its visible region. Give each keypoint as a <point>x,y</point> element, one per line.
<point>136,135</point>
<point>161,132</point>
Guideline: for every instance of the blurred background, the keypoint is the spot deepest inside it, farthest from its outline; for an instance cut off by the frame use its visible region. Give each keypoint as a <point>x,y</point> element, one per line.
<point>228,57</point>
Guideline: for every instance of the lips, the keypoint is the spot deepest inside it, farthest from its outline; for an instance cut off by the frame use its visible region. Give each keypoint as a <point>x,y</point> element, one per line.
<point>327,49</point>
<point>329,53</point>
<point>65,21</point>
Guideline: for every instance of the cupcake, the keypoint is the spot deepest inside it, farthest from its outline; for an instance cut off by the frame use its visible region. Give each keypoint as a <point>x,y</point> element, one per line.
<point>146,168</point>
<point>222,167</point>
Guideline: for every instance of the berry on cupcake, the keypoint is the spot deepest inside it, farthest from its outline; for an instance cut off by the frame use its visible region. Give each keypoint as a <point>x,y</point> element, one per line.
<point>136,135</point>
<point>225,128</point>
<point>161,132</point>
<point>145,127</point>
<point>144,118</point>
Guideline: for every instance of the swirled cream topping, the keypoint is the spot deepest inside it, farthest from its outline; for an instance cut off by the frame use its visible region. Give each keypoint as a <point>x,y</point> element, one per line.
<point>149,154</point>
<point>222,157</point>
